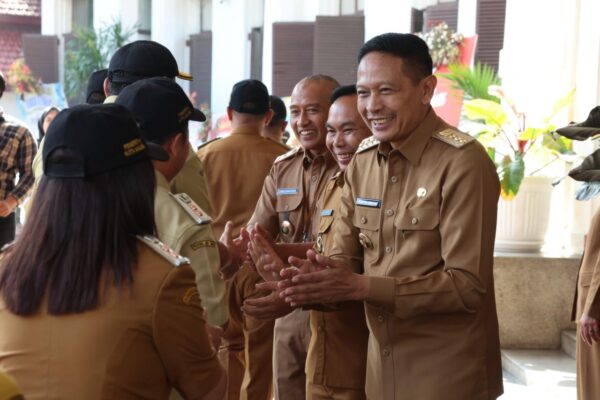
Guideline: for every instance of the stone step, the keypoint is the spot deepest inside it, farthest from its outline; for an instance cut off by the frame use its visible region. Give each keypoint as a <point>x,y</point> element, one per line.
<point>568,342</point>
<point>541,368</point>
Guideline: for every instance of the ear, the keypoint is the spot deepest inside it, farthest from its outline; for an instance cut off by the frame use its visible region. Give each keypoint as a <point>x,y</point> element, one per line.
<point>230,113</point>
<point>283,125</point>
<point>105,87</point>
<point>428,84</point>
<point>269,116</point>
<point>173,145</point>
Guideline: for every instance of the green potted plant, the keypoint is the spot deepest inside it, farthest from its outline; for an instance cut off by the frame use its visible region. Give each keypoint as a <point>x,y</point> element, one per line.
<point>473,82</point>
<point>516,146</point>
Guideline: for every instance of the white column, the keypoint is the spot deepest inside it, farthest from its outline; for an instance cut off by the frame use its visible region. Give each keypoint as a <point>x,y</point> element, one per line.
<point>467,17</point>
<point>382,16</point>
<point>56,17</point>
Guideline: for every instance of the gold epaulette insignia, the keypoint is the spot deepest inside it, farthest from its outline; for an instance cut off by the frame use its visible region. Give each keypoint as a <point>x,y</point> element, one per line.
<point>164,251</point>
<point>367,144</point>
<point>454,137</point>
<point>287,155</point>
<point>191,208</point>
<point>210,141</point>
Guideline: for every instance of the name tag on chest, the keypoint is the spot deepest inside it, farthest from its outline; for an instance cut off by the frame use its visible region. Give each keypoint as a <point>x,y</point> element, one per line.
<point>371,203</point>
<point>287,191</point>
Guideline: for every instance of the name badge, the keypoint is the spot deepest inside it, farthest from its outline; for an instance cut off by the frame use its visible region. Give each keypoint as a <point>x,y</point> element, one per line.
<point>326,213</point>
<point>372,203</point>
<point>287,191</point>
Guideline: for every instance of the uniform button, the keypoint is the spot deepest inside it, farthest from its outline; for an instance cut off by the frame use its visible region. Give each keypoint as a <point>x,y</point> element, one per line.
<point>380,318</point>
<point>394,179</point>
<point>414,221</point>
<point>386,352</point>
<point>389,212</point>
<point>314,178</point>
<point>363,220</point>
<point>320,328</point>
<point>388,249</point>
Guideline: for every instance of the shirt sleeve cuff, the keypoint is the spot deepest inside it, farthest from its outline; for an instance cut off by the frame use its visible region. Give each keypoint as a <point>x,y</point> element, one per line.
<point>381,292</point>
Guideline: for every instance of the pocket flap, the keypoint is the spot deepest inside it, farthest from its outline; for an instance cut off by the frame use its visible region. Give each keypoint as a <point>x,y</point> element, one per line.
<point>288,202</point>
<point>417,219</point>
<point>325,223</point>
<point>366,218</point>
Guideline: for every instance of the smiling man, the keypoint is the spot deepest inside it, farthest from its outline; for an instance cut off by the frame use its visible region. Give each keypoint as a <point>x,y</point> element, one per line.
<point>418,212</point>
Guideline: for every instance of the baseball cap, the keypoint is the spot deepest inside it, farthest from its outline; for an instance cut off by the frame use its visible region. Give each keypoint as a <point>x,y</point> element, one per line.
<point>250,96</point>
<point>143,59</point>
<point>590,128</point>
<point>96,83</point>
<point>103,137</point>
<point>160,106</point>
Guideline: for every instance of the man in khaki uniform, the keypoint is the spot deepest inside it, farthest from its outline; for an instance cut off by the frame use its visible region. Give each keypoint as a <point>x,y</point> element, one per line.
<point>162,110</point>
<point>275,129</point>
<point>286,209</point>
<point>146,59</point>
<point>418,212</point>
<point>239,164</point>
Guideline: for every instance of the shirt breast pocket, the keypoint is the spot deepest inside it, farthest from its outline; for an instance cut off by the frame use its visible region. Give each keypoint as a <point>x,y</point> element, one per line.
<point>367,221</point>
<point>418,236</point>
<point>288,209</point>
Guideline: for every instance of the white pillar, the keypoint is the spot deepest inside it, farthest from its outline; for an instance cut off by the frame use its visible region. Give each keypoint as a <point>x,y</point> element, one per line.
<point>56,17</point>
<point>467,17</point>
<point>382,16</point>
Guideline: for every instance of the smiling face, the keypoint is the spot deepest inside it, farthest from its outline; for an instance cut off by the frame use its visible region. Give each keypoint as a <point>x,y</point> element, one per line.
<point>309,106</point>
<point>389,99</point>
<point>345,130</point>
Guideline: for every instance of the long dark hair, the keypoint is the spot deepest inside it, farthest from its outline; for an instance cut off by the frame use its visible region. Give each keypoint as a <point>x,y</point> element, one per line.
<point>79,231</point>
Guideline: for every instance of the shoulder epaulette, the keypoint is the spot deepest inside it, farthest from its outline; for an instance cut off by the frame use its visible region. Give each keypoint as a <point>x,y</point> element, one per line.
<point>164,251</point>
<point>287,155</point>
<point>454,137</point>
<point>190,207</point>
<point>209,142</point>
<point>367,144</point>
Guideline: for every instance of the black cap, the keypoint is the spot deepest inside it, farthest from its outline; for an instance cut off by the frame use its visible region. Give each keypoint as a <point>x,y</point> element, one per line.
<point>103,136</point>
<point>143,59</point>
<point>583,130</point>
<point>278,107</point>
<point>160,106</point>
<point>96,83</point>
<point>249,97</point>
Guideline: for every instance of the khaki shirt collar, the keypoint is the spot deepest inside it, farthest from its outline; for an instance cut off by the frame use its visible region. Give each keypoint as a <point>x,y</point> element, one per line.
<point>245,130</point>
<point>414,145</point>
<point>161,180</point>
<point>307,158</point>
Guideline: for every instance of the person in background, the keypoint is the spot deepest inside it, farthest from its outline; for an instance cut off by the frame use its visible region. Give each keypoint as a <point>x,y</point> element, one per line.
<point>239,164</point>
<point>45,120</point>
<point>92,305</point>
<point>17,150</point>
<point>95,88</point>
<point>276,127</point>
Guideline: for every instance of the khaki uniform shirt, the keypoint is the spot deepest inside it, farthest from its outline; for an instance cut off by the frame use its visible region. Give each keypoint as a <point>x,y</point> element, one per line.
<point>191,180</point>
<point>139,343</point>
<point>194,240</point>
<point>287,205</point>
<point>335,333</point>
<point>588,302</point>
<point>422,220</point>
<point>238,164</point>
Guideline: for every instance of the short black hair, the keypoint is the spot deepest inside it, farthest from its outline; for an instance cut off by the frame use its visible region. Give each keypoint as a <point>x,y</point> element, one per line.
<point>279,110</point>
<point>2,84</point>
<point>409,47</point>
<point>341,91</point>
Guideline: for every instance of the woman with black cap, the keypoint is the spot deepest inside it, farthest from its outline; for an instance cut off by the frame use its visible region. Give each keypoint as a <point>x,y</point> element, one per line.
<point>91,305</point>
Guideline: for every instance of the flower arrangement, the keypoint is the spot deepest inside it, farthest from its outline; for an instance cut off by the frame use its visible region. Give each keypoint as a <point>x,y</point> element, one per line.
<point>510,139</point>
<point>21,80</point>
<point>444,44</point>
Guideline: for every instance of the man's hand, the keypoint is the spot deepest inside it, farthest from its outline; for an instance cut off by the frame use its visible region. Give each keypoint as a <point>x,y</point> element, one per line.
<point>234,252</point>
<point>267,262</point>
<point>320,279</point>
<point>268,307</point>
<point>588,327</point>
<point>8,206</point>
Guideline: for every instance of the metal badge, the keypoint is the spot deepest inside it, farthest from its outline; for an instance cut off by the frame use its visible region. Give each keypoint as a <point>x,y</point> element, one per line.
<point>365,241</point>
<point>320,247</point>
<point>286,227</point>
<point>421,192</point>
